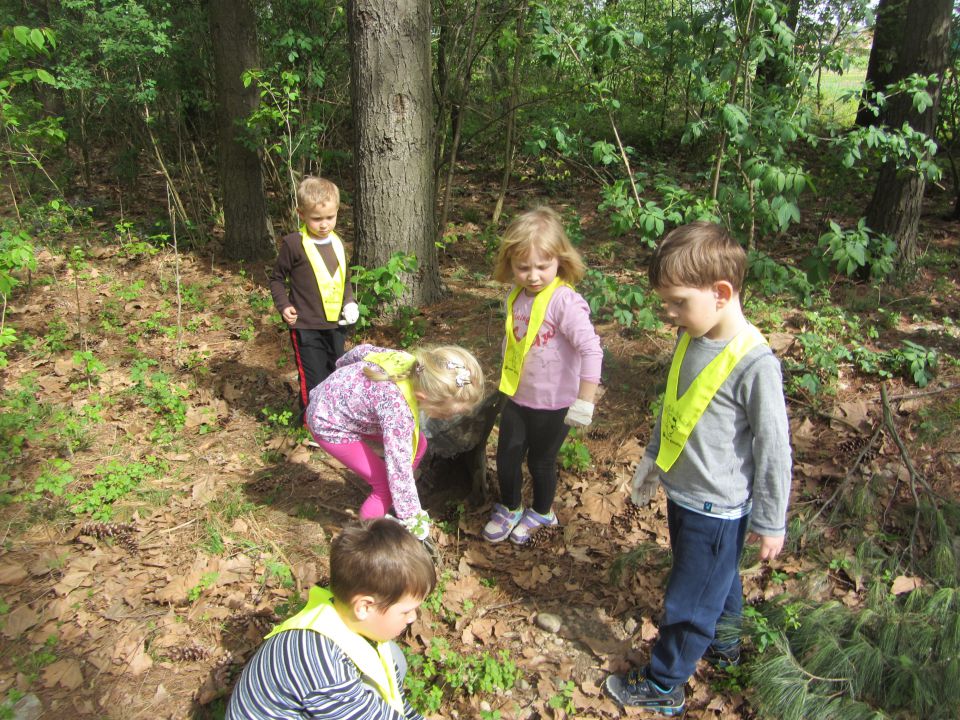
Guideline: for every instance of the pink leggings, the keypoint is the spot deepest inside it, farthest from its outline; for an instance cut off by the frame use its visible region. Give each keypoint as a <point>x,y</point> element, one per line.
<point>360,457</point>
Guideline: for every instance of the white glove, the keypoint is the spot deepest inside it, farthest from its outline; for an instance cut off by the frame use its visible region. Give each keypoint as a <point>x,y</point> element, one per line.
<point>418,525</point>
<point>351,313</point>
<point>580,414</point>
<point>646,479</point>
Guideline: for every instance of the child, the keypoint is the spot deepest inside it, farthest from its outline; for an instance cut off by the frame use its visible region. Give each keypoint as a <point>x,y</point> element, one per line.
<point>721,448</point>
<point>320,300</point>
<point>551,368</point>
<point>336,658</point>
<point>379,394</point>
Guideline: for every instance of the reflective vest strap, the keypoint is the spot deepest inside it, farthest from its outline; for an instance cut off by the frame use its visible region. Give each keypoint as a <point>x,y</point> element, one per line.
<point>331,286</point>
<point>681,414</point>
<point>375,663</point>
<point>399,363</point>
<point>516,351</point>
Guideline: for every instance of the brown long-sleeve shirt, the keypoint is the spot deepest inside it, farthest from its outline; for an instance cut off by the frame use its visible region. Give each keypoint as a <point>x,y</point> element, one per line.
<point>293,282</point>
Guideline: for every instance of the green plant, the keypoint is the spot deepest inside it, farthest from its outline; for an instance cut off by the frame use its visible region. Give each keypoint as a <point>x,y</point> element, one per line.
<point>914,361</point>
<point>52,481</point>
<point>563,700</point>
<point>158,392</point>
<point>858,251</point>
<point>89,366</point>
<point>16,256</point>
<point>380,286</point>
<point>280,571</point>
<point>409,324</point>
<point>632,306</point>
<point>114,480</point>
<point>439,672</point>
<point>574,454</point>
<point>207,580</point>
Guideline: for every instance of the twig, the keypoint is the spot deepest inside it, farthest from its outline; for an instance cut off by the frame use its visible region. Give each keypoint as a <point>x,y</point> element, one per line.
<point>846,478</point>
<point>926,393</point>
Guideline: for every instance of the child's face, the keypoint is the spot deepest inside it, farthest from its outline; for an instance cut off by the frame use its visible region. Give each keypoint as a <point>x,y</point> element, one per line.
<point>386,624</point>
<point>696,310</point>
<point>534,271</point>
<point>320,219</point>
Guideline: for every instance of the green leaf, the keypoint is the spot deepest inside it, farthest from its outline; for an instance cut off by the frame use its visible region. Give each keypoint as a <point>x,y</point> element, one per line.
<point>36,37</point>
<point>46,77</point>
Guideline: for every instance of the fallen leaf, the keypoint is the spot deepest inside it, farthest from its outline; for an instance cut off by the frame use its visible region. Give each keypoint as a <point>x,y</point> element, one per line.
<point>904,584</point>
<point>12,574</point>
<point>65,673</point>
<point>21,619</point>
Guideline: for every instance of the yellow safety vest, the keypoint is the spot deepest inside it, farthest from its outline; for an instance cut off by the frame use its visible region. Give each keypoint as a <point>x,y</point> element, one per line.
<point>681,414</point>
<point>331,286</point>
<point>374,663</point>
<point>516,352</point>
<point>397,363</point>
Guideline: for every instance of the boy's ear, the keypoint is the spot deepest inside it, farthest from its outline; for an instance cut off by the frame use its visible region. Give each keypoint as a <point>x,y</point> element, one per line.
<point>362,606</point>
<point>723,289</point>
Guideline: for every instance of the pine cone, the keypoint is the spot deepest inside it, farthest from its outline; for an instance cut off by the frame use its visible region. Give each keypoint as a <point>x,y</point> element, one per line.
<point>849,450</point>
<point>544,536</point>
<point>626,520</point>
<point>123,533</point>
<point>189,653</point>
<point>261,621</point>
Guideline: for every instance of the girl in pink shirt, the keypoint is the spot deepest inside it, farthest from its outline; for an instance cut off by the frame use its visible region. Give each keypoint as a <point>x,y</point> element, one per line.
<point>551,370</point>
<point>376,394</point>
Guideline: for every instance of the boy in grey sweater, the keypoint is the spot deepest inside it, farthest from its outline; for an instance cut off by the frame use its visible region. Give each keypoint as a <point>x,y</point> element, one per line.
<point>720,448</point>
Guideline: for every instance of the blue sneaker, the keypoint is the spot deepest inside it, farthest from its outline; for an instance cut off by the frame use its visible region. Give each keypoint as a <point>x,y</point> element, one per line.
<point>636,690</point>
<point>723,656</point>
<point>529,524</point>
<point>501,524</point>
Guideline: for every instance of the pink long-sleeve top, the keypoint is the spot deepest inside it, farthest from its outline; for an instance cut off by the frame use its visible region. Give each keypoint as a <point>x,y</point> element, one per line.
<point>566,351</point>
<point>348,406</point>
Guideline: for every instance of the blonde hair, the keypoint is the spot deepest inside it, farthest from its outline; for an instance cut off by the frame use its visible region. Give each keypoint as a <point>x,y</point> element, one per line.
<point>443,373</point>
<point>382,559</point>
<point>540,228</point>
<point>697,255</point>
<point>313,191</point>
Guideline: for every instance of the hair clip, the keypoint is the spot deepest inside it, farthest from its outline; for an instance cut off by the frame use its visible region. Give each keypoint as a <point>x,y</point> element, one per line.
<point>463,375</point>
<point>418,368</point>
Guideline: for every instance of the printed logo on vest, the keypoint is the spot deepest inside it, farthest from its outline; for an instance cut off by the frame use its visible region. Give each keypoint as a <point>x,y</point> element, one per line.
<point>708,507</point>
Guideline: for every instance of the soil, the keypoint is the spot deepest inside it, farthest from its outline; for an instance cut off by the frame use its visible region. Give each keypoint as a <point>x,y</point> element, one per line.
<point>150,613</point>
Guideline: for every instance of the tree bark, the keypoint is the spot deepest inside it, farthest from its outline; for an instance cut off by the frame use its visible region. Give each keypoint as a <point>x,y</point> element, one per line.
<point>922,48</point>
<point>393,141</point>
<point>248,232</point>
<point>887,30</point>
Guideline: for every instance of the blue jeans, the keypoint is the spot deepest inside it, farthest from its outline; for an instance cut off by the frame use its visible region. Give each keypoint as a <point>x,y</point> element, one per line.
<point>704,587</point>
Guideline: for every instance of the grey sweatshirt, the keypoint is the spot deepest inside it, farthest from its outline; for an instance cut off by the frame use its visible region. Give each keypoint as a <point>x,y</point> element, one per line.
<point>737,459</point>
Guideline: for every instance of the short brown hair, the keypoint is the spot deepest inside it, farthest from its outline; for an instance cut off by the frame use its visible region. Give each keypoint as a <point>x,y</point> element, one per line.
<point>382,559</point>
<point>315,190</point>
<point>540,228</point>
<point>697,255</point>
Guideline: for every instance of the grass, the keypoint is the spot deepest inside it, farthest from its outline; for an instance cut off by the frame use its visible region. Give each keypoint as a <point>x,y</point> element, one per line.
<point>834,104</point>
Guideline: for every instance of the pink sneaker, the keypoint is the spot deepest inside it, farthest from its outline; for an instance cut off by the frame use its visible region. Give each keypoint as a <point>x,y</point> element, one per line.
<point>529,524</point>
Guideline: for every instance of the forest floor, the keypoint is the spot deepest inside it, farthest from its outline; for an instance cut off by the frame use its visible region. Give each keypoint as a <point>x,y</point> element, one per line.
<point>220,518</point>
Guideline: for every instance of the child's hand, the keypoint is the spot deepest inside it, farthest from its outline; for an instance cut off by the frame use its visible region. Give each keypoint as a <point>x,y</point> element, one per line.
<point>350,313</point>
<point>770,547</point>
<point>580,414</point>
<point>646,480</point>
<point>418,525</point>
<point>289,315</point>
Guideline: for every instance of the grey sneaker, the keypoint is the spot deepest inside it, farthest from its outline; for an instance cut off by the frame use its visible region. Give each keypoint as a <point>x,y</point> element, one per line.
<point>635,690</point>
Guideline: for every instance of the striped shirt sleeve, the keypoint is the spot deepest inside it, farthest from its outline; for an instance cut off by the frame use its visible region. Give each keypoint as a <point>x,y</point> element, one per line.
<point>302,674</point>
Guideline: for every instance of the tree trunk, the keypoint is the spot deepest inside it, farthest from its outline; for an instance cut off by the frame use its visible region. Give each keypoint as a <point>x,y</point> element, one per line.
<point>887,31</point>
<point>922,48</point>
<point>393,143</point>
<point>248,233</point>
